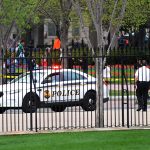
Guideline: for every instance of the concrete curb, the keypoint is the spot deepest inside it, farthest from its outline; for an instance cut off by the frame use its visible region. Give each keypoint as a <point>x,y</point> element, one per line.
<point>73,130</point>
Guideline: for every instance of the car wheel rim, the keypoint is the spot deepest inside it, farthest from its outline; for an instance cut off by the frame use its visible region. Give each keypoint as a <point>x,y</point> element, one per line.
<point>91,102</point>
<point>31,104</point>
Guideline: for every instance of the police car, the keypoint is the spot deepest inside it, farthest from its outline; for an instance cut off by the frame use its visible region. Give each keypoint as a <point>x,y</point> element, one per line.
<point>52,88</point>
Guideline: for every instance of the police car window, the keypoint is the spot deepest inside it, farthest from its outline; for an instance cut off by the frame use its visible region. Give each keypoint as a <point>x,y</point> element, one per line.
<point>56,77</point>
<point>69,76</point>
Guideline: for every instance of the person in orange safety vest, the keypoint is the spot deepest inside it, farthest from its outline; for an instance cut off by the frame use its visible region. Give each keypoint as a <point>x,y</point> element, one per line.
<point>57,43</point>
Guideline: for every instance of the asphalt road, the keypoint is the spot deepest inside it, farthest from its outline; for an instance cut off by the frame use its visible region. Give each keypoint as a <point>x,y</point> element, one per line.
<point>73,117</point>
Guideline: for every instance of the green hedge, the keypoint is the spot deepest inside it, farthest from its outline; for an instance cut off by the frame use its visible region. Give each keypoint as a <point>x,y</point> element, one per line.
<point>116,56</point>
<point>127,56</point>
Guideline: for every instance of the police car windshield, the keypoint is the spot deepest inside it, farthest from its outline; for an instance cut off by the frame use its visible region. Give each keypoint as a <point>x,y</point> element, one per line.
<point>25,78</point>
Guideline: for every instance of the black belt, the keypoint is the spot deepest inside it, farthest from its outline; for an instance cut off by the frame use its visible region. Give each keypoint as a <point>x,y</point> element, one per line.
<point>143,81</point>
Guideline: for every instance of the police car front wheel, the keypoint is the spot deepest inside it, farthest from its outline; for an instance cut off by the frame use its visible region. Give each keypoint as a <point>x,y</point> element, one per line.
<point>89,101</point>
<point>30,102</point>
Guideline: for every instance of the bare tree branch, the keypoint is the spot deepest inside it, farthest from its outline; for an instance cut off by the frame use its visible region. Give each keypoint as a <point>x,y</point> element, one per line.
<point>91,12</point>
<point>112,15</point>
<point>49,15</point>
<point>7,35</point>
<point>79,12</point>
<point>124,2</point>
<point>118,26</point>
<point>1,1</point>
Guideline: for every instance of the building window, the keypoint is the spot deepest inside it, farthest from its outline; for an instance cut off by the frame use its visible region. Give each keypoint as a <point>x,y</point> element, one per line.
<point>14,36</point>
<point>75,32</point>
<point>51,29</point>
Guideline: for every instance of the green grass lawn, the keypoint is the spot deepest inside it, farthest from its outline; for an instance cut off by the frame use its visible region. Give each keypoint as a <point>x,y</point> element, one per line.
<point>100,140</point>
<point>119,93</point>
<point>116,74</point>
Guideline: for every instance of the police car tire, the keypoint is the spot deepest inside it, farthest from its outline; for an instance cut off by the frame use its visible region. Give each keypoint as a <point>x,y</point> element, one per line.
<point>27,99</point>
<point>89,101</point>
<point>58,108</point>
<point>2,110</point>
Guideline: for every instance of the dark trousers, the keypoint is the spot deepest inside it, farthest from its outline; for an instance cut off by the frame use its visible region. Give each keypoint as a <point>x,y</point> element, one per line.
<point>142,94</point>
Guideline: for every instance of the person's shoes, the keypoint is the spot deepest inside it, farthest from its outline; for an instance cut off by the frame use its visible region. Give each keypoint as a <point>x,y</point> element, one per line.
<point>139,109</point>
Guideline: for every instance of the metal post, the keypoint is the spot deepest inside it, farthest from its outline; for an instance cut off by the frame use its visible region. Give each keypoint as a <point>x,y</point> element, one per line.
<point>31,78</point>
<point>123,77</point>
<point>122,85</point>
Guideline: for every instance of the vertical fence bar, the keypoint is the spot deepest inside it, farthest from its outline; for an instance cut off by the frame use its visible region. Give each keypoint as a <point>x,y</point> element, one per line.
<point>31,80</point>
<point>122,84</point>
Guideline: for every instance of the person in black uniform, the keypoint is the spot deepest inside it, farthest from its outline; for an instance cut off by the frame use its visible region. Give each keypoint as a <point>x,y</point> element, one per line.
<point>70,61</point>
<point>84,63</point>
<point>142,78</point>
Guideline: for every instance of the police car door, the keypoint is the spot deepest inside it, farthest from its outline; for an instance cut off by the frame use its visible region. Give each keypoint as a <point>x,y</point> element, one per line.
<point>61,87</point>
<point>72,85</point>
<point>51,86</point>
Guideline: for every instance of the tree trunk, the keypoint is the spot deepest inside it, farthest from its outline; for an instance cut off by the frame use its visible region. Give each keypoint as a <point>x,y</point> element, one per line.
<point>64,41</point>
<point>99,83</point>
<point>66,9</point>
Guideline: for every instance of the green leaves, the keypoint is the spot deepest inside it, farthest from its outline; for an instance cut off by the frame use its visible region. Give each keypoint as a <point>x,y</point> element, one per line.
<point>137,13</point>
<point>21,12</point>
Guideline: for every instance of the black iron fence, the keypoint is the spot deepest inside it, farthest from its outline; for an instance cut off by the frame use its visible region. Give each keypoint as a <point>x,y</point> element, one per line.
<point>51,90</point>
